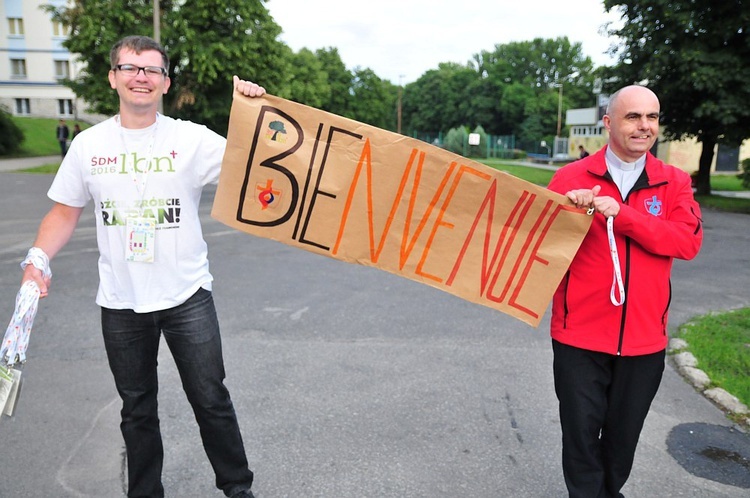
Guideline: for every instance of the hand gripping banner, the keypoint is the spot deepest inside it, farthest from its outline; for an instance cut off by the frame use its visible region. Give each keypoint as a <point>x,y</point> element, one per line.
<point>360,194</point>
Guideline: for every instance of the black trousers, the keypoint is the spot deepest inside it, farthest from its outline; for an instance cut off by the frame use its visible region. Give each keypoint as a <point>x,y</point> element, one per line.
<point>604,400</point>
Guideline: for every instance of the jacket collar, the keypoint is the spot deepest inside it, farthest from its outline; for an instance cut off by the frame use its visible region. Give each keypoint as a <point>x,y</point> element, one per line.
<point>652,172</point>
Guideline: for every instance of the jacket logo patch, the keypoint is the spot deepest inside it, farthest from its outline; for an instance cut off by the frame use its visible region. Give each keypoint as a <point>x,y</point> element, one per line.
<point>653,206</point>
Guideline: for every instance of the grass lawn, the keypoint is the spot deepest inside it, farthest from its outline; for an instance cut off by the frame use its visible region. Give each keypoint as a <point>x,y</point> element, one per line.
<point>39,135</point>
<point>726,182</point>
<point>728,204</point>
<point>537,176</point>
<point>721,344</point>
<point>42,170</point>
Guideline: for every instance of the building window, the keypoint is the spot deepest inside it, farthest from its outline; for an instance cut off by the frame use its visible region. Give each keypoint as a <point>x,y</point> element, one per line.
<point>62,69</point>
<point>586,131</point>
<point>65,107</point>
<point>59,29</point>
<point>15,26</point>
<point>22,107</point>
<point>18,68</point>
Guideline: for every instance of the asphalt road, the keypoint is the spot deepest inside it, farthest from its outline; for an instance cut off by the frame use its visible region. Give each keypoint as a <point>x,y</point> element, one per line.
<point>349,382</point>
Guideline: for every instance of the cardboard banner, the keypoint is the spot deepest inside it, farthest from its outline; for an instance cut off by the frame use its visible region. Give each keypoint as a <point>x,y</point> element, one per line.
<point>360,194</point>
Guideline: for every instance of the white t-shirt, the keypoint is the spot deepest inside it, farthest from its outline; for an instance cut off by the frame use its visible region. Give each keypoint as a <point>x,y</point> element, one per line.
<point>99,167</point>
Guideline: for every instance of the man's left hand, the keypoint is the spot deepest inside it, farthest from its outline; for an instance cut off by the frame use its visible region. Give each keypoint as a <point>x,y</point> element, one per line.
<point>248,88</point>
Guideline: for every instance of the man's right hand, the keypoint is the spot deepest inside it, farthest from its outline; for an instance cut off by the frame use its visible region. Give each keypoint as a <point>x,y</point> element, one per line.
<point>583,198</point>
<point>31,272</point>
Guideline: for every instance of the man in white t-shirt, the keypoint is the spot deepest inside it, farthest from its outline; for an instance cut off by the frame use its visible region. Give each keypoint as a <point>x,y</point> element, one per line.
<point>144,173</point>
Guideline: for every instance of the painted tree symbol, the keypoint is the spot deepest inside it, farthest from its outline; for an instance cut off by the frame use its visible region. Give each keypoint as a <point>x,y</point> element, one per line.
<point>278,127</point>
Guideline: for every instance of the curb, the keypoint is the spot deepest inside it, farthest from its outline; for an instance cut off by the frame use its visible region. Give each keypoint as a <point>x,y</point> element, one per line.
<point>19,163</point>
<point>686,365</point>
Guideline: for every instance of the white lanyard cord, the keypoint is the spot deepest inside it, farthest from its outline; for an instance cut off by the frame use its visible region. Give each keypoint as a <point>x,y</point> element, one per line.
<point>617,277</point>
<point>140,186</point>
<point>16,339</point>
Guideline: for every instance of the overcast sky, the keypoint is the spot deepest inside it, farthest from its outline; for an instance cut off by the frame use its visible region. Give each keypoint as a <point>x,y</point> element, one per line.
<point>402,39</point>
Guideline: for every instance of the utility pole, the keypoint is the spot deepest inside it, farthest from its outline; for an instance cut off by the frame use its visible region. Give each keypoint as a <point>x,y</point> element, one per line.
<point>398,112</point>
<point>157,23</point>
<point>157,37</point>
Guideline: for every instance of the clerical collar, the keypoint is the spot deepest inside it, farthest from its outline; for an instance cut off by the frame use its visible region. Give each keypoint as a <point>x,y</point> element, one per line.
<point>616,162</point>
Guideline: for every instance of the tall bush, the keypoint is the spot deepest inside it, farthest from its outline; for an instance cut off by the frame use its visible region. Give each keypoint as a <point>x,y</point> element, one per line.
<point>745,174</point>
<point>455,140</point>
<point>11,135</point>
<point>481,149</point>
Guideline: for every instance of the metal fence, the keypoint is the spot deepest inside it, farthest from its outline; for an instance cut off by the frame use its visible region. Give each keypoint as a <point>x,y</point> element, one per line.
<point>490,146</point>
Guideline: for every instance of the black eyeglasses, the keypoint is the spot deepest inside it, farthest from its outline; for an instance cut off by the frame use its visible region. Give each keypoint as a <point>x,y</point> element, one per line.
<point>132,70</point>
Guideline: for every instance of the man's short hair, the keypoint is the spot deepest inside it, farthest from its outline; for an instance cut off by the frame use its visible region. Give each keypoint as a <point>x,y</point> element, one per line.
<point>137,44</point>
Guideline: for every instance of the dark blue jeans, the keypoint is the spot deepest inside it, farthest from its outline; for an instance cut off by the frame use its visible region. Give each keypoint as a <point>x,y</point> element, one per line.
<point>191,331</point>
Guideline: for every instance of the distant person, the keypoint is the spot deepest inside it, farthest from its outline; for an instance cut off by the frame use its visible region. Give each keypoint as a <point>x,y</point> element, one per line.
<point>609,314</point>
<point>76,131</point>
<point>62,134</point>
<point>154,278</point>
<point>584,152</point>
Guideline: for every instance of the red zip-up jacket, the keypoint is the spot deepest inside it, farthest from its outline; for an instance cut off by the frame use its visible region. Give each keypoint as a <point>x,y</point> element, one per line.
<point>658,221</point>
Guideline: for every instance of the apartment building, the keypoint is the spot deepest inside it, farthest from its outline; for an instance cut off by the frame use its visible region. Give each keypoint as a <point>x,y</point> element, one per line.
<point>33,61</point>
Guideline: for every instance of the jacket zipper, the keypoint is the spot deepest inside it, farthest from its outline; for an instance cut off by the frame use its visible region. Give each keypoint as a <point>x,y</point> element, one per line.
<point>640,185</point>
<point>625,304</point>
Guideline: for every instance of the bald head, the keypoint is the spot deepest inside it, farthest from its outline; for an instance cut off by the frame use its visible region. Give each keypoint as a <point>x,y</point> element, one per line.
<point>632,120</point>
<point>630,92</point>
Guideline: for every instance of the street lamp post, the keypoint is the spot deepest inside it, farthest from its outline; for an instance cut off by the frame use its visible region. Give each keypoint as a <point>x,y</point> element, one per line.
<point>559,108</point>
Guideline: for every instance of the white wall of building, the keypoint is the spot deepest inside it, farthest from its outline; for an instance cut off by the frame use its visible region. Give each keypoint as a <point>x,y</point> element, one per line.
<point>29,39</point>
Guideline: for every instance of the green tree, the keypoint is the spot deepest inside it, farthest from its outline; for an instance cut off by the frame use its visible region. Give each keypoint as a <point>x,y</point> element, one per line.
<point>208,42</point>
<point>418,114</point>
<point>531,133</point>
<point>525,72</point>
<point>694,55</point>
<point>539,63</point>
<point>516,96</point>
<point>308,80</point>
<point>438,100</point>
<point>373,99</point>
<point>340,80</point>
<point>481,103</point>
<point>11,136</point>
<point>540,122</point>
<point>502,89</point>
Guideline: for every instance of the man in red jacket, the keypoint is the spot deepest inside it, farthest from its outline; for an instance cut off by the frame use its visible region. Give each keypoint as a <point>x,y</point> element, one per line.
<point>609,314</point>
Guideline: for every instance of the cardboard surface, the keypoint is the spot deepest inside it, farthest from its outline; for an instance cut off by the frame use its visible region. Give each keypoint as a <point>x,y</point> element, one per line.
<point>360,194</point>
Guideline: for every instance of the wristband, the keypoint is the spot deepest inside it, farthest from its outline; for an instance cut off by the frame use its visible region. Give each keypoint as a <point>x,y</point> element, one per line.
<point>39,259</point>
